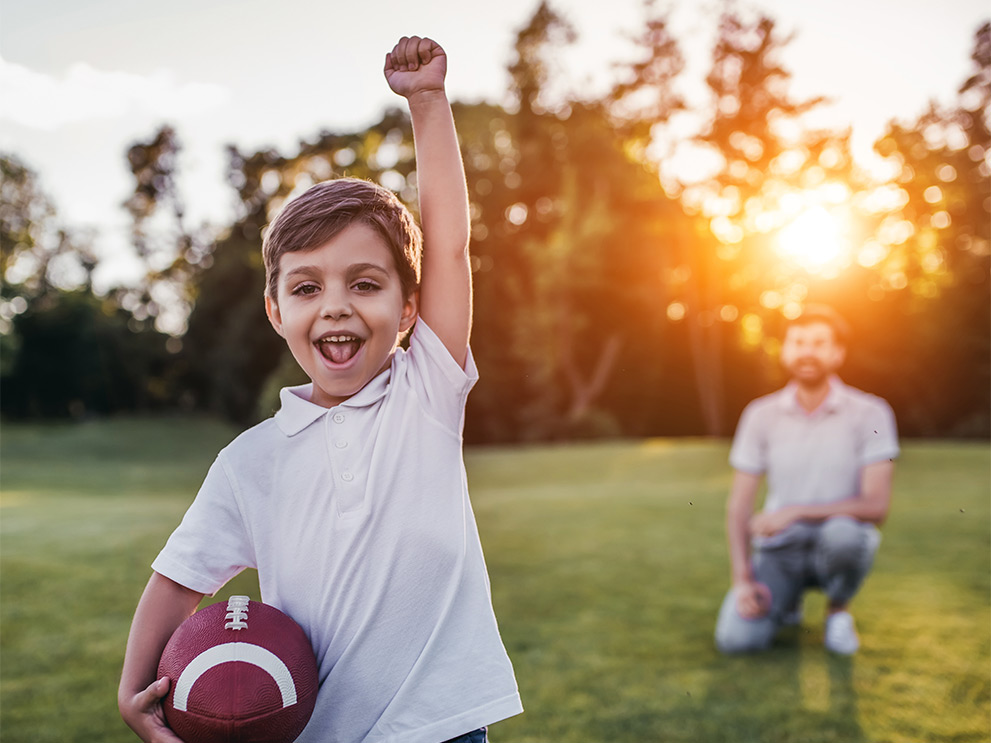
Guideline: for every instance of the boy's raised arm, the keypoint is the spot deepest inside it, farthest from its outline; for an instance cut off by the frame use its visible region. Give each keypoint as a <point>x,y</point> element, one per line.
<point>415,69</point>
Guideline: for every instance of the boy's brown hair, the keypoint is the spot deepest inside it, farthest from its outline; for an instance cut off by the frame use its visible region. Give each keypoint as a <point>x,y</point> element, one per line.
<point>328,208</point>
<point>823,313</point>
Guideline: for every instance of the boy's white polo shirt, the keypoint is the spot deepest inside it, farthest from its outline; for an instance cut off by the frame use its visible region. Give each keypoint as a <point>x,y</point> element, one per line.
<point>813,457</point>
<point>358,520</point>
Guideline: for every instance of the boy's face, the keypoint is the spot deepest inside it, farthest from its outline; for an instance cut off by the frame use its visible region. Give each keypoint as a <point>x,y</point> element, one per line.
<point>341,309</point>
<point>811,353</point>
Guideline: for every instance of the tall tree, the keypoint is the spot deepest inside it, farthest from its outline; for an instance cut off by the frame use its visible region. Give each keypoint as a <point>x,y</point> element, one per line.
<point>576,241</point>
<point>934,256</point>
<point>64,351</point>
<point>730,275</point>
<point>172,252</point>
<point>38,255</point>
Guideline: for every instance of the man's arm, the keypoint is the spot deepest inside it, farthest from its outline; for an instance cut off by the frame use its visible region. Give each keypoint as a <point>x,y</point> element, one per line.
<point>164,605</point>
<point>870,505</point>
<point>753,599</point>
<point>415,69</point>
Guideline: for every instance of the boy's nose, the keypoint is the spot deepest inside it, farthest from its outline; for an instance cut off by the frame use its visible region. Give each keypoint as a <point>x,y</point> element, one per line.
<point>335,306</point>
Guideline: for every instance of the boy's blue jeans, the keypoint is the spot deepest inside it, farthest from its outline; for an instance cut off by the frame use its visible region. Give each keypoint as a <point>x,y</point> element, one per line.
<point>834,556</point>
<point>475,736</point>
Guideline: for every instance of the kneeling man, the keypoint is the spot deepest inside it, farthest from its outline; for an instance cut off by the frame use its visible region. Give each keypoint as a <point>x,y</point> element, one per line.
<point>827,451</point>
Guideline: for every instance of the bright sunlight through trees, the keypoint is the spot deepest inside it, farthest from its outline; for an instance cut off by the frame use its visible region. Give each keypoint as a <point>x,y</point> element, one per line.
<point>815,240</point>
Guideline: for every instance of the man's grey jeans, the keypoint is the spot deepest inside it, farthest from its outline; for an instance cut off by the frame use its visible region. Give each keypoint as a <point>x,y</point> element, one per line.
<point>834,556</point>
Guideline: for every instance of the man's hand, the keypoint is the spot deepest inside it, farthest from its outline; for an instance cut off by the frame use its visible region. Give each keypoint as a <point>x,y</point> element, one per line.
<point>144,714</point>
<point>415,66</point>
<point>767,524</point>
<point>753,599</point>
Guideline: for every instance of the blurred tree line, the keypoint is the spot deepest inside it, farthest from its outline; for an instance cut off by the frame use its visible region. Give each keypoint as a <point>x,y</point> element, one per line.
<point>609,300</point>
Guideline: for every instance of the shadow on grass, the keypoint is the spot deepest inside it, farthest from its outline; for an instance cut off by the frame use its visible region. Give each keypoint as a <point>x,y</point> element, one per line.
<point>794,693</point>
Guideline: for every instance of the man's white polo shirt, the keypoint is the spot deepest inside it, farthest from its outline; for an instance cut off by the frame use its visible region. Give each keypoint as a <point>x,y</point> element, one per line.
<point>813,457</point>
<point>358,520</point>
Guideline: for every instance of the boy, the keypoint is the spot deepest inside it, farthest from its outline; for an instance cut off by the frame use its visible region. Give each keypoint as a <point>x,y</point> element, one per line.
<point>352,501</point>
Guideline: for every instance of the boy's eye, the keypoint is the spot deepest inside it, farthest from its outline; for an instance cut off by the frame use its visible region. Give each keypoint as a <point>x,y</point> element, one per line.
<point>305,289</point>
<point>365,286</point>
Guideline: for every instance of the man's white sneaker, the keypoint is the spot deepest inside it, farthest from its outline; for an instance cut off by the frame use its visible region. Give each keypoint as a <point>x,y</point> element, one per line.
<point>840,635</point>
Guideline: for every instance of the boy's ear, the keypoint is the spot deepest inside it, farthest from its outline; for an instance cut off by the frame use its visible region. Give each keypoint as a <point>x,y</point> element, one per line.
<point>411,309</point>
<point>274,316</point>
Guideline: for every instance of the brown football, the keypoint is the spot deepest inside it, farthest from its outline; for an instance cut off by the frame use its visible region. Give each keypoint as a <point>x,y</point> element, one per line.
<point>241,672</point>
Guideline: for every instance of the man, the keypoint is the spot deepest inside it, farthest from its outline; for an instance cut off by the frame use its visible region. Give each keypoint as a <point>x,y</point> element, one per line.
<point>827,451</point>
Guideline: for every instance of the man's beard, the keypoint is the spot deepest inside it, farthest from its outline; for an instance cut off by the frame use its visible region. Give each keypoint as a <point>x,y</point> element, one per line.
<point>809,372</point>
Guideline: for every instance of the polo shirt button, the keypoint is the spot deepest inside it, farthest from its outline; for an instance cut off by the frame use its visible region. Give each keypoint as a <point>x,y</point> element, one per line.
<point>338,417</point>
<point>347,477</point>
<point>341,444</point>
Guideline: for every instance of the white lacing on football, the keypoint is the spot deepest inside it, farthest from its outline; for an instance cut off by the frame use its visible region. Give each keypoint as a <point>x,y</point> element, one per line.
<point>237,613</point>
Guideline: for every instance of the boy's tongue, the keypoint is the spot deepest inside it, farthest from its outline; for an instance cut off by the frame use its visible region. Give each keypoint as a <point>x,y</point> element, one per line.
<point>339,352</point>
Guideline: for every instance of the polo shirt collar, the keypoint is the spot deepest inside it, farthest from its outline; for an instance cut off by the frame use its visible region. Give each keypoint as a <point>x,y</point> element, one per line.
<point>297,412</point>
<point>832,403</point>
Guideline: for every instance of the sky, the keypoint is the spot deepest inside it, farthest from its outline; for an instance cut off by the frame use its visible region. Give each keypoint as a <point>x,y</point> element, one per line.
<point>80,80</point>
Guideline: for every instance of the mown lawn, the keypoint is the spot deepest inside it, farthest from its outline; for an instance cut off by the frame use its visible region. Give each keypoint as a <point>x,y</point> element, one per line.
<point>607,564</point>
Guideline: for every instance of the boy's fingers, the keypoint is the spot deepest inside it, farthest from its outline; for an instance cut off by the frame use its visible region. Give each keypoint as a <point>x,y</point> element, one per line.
<point>412,52</point>
<point>400,55</point>
<point>425,50</point>
<point>155,691</point>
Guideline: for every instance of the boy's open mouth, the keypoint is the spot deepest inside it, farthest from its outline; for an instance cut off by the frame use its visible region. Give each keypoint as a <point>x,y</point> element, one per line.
<point>339,348</point>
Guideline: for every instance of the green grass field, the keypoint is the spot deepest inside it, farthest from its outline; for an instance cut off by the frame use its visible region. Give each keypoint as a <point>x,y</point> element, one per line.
<point>607,564</point>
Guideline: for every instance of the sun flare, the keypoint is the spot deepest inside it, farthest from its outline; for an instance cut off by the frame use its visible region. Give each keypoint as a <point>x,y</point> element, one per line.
<point>814,240</point>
